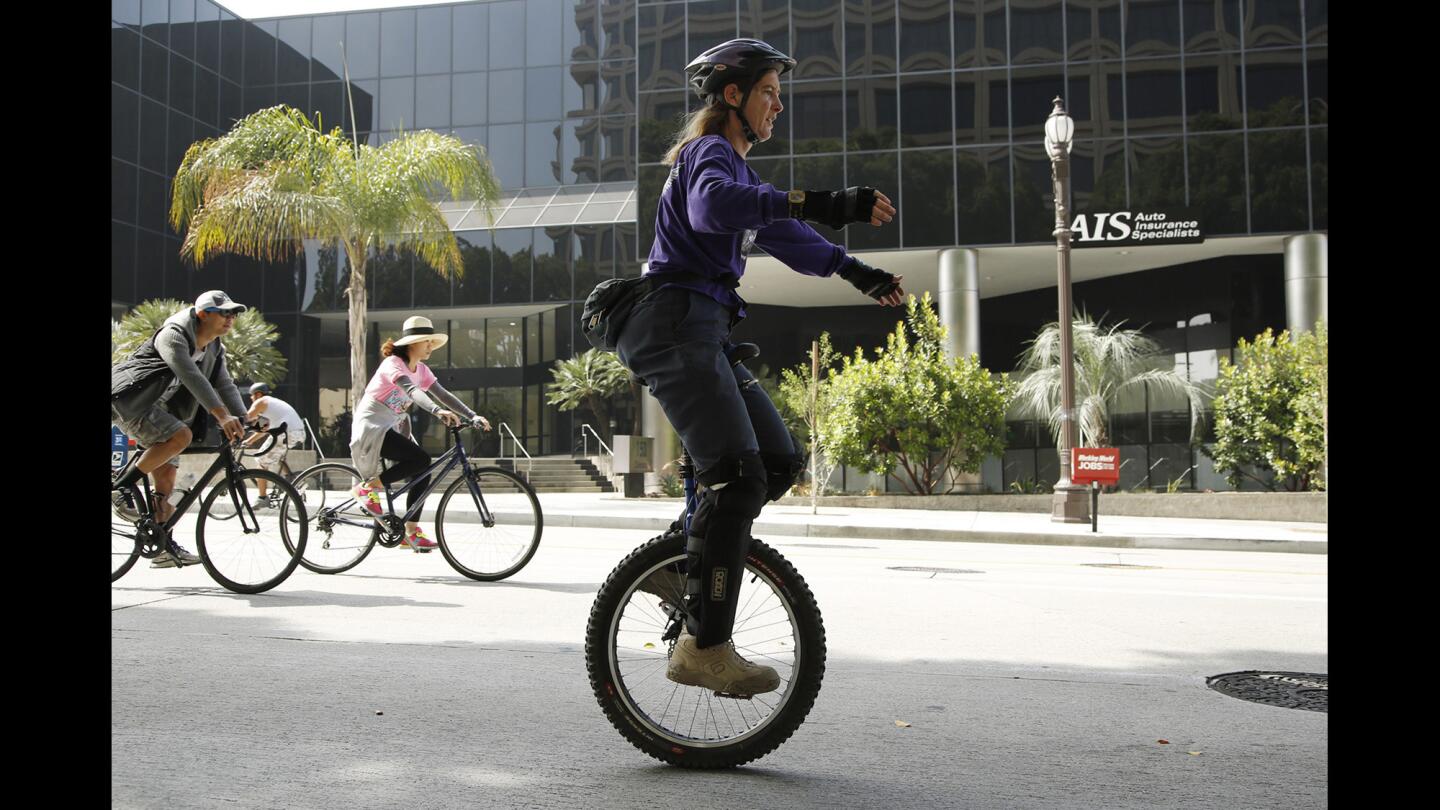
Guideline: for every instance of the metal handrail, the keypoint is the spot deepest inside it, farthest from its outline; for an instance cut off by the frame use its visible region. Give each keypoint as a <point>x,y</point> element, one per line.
<point>585,440</point>
<point>315,440</point>
<point>529,462</point>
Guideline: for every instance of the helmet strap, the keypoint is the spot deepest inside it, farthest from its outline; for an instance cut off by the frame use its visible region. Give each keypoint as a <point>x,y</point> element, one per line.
<point>739,113</point>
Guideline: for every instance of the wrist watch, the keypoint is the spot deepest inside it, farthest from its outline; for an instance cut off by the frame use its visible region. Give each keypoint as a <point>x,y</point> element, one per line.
<point>797,203</point>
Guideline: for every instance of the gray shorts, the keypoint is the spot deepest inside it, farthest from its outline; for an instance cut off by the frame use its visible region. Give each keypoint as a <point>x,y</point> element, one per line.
<point>154,427</point>
<point>272,458</point>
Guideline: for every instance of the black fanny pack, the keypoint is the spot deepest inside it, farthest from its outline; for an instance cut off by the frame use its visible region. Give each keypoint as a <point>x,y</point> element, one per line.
<point>608,306</point>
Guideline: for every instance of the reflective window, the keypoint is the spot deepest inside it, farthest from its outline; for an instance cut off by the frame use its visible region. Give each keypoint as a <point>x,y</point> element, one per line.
<point>1272,23</point>
<point>648,194</point>
<point>775,171</point>
<point>662,46</point>
<point>505,340</point>
<point>1032,97</point>
<point>260,53</point>
<point>925,118</point>
<point>542,154</point>
<point>1152,27</point>
<point>469,99</point>
<point>180,134</point>
<point>882,171</point>
<point>327,101</point>
<point>507,47</point>
<point>619,154</point>
<point>507,154</point>
<point>362,45</point>
<point>1320,176</point>
<point>122,263</point>
<point>1157,173</point>
<point>431,288</point>
<point>471,37</point>
<point>1275,88</point>
<point>543,35</point>
<point>581,151</point>
<point>207,35</point>
<point>511,262</point>
<point>397,42</point>
<point>467,343</point>
<point>1279,200</point>
<point>124,123</point>
<point>125,57</point>
<point>432,34</point>
<point>1097,176</point>
<point>581,90</point>
<point>473,286</point>
<point>982,194</point>
<point>617,30</point>
<point>542,94</point>
<point>980,32</point>
<point>207,97</point>
<point>928,180</point>
<point>1034,194</point>
<point>293,55</point>
<point>617,80</point>
<point>1319,86</point>
<point>816,27</point>
<point>507,96</point>
<point>925,32</point>
<point>182,84</point>
<point>125,12</point>
<point>150,266</point>
<point>1152,98</point>
<point>1211,25</point>
<point>1093,29</point>
<point>870,32</point>
<point>552,274</point>
<point>231,104</point>
<point>579,23</point>
<point>122,191</point>
<point>1219,201</point>
<point>591,264</point>
<point>326,35</point>
<point>982,113</point>
<point>661,115</point>
<point>817,116</point>
<point>1214,93</point>
<point>389,272</point>
<point>152,200</point>
<point>154,70</point>
<point>155,20</point>
<point>1037,31</point>
<point>152,135</point>
<point>232,46</point>
<point>1317,21</point>
<point>767,20</point>
<point>871,113</point>
<point>397,105</point>
<point>432,102</point>
<point>710,22</point>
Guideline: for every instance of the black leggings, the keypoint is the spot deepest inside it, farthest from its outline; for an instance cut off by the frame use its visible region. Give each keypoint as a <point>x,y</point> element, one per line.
<point>408,459</point>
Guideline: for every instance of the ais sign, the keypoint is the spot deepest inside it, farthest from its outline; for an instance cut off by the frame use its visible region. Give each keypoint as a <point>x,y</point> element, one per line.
<point>1098,464</point>
<point>1114,229</point>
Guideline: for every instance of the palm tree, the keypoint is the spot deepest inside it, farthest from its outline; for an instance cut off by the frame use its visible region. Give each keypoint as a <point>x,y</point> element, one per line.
<point>250,352</point>
<point>275,179</point>
<point>1108,361</point>
<point>589,380</point>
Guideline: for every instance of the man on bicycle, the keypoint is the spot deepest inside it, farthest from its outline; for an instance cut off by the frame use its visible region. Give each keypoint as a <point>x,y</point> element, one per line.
<point>155,395</point>
<point>275,412</point>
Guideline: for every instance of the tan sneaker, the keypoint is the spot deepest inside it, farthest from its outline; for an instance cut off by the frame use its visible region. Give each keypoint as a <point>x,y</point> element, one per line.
<point>718,668</point>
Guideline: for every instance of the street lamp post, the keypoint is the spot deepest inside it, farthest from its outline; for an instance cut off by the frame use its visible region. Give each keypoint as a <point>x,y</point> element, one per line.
<point>1069,503</point>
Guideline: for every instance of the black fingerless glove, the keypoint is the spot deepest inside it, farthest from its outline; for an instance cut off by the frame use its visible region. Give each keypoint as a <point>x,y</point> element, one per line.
<point>839,208</point>
<point>873,282</point>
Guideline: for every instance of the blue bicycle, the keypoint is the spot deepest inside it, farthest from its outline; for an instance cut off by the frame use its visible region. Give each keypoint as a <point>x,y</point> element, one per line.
<point>636,619</point>
<point>488,523</point>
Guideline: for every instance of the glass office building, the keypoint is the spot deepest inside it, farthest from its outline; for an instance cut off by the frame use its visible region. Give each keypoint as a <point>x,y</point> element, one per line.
<point>1218,108</point>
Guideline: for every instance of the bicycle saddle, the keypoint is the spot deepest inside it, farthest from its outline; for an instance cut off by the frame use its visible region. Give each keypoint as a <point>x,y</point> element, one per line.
<point>742,352</point>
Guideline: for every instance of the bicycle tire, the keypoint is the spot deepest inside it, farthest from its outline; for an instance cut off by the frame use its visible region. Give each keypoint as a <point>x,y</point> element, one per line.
<point>122,533</point>
<point>463,546</point>
<point>765,568</point>
<point>231,547</point>
<point>320,534</point>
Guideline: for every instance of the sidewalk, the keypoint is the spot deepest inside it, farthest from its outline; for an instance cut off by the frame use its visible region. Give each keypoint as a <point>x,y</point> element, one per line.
<point>611,511</point>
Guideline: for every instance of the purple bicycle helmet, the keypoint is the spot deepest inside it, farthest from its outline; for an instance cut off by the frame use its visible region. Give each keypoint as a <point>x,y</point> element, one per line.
<point>739,62</point>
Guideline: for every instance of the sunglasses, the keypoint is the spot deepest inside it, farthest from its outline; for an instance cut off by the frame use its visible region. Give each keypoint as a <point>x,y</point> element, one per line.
<point>222,313</point>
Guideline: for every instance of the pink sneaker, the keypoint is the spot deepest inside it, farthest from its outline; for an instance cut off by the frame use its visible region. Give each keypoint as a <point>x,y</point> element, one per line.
<point>418,541</point>
<point>369,499</point>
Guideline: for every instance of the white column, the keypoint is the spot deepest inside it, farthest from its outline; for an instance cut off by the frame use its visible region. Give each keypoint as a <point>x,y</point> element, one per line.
<point>1307,281</point>
<point>959,296</point>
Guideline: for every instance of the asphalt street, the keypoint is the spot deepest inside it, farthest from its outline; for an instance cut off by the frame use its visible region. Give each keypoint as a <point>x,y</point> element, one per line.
<point>1029,677</point>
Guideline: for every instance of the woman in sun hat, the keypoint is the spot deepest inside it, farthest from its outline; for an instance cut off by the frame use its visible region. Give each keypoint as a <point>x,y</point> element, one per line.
<point>381,429</point>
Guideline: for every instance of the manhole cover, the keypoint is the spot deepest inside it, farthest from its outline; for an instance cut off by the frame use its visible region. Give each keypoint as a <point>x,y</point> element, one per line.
<point>928,570</point>
<point>1289,690</point>
<point>1128,566</point>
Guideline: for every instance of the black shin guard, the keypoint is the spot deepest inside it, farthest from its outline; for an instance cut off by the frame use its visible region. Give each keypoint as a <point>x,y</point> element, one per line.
<point>718,542</point>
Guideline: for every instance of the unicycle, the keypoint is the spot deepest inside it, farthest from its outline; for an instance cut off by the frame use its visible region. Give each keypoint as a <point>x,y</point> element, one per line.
<point>633,627</point>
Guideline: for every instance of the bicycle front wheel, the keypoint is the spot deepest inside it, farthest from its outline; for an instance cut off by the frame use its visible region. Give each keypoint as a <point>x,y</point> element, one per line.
<point>777,624</point>
<point>341,531</point>
<point>246,547</point>
<point>124,548</point>
<point>491,536</point>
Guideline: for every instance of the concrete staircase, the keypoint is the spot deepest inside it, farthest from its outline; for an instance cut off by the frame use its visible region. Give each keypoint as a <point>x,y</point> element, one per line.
<point>547,474</point>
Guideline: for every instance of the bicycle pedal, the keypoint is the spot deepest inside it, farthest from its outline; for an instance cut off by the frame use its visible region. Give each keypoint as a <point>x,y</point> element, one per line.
<point>733,696</point>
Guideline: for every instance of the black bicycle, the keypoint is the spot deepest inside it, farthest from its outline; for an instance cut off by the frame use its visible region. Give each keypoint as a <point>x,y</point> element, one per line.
<point>264,446</point>
<point>488,523</point>
<point>241,544</point>
<point>636,620</point>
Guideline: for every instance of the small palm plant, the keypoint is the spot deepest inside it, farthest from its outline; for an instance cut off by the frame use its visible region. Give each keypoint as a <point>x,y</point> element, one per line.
<point>250,352</point>
<point>1109,360</point>
<point>588,380</point>
<point>275,179</point>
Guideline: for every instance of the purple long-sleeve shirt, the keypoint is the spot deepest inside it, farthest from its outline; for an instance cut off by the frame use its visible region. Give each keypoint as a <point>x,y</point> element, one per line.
<point>713,208</point>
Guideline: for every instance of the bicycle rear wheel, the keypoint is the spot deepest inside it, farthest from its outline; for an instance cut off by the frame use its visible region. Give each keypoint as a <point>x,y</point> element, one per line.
<point>248,549</point>
<point>493,549</point>
<point>341,531</point>
<point>777,624</point>
<point>124,547</point>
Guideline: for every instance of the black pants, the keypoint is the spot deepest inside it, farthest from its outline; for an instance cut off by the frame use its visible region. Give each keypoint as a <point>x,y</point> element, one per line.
<point>408,459</point>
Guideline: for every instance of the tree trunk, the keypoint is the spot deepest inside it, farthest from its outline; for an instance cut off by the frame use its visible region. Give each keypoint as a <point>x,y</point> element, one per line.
<point>358,333</point>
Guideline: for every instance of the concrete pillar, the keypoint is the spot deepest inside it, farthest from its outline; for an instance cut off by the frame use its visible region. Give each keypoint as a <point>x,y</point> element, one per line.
<point>1307,281</point>
<point>959,296</point>
<point>653,423</point>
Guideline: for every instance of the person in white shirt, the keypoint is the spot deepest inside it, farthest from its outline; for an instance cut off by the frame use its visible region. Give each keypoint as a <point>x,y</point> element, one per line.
<point>274,412</point>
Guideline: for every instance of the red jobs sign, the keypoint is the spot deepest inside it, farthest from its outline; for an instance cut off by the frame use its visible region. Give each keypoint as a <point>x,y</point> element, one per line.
<point>1098,464</point>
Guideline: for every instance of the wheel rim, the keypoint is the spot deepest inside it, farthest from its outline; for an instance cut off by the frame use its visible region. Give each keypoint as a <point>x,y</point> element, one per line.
<point>495,549</point>
<point>340,529</point>
<point>122,542</point>
<point>765,632</point>
<point>248,559</point>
